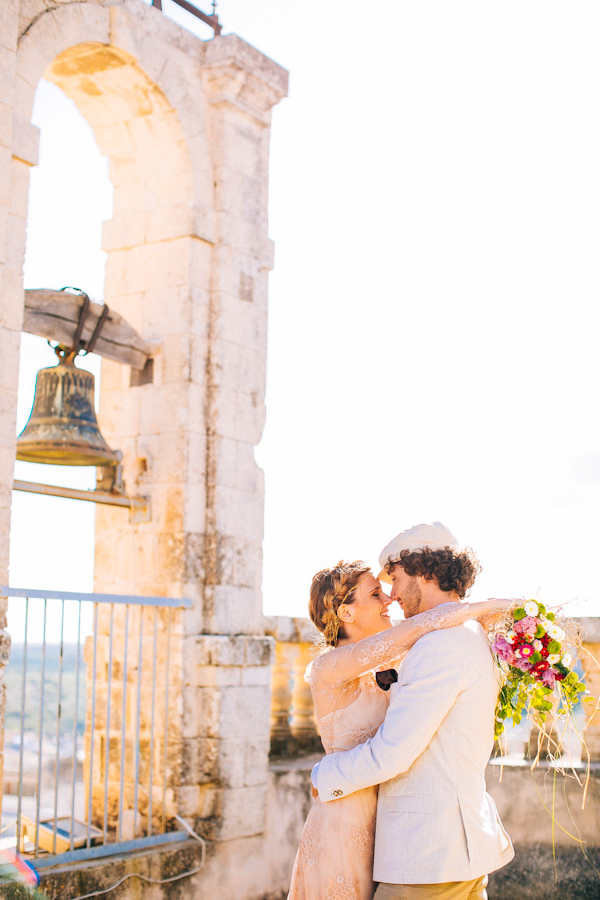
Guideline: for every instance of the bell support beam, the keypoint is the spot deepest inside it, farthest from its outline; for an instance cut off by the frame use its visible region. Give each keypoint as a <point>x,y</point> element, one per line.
<point>139,507</point>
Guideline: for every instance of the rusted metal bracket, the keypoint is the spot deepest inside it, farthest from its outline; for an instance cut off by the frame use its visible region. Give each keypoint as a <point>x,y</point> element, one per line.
<point>139,507</point>
<point>212,20</point>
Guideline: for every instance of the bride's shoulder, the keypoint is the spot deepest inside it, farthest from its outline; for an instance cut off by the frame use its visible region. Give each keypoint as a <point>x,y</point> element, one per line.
<point>325,666</point>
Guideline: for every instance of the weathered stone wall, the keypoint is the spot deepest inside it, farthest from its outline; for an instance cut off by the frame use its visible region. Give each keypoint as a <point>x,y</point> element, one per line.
<point>186,126</point>
<point>18,152</point>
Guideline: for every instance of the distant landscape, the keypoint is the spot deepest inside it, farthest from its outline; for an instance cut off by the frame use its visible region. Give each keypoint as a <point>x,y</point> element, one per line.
<point>13,675</point>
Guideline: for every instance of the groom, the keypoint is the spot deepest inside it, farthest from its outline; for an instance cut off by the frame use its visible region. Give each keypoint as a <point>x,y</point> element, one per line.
<point>438,833</point>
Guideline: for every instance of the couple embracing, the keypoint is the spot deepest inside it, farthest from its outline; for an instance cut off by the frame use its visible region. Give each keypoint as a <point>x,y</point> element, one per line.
<point>401,792</point>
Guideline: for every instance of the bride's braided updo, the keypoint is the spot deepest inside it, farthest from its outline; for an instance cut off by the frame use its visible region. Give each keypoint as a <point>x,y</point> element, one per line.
<point>329,589</point>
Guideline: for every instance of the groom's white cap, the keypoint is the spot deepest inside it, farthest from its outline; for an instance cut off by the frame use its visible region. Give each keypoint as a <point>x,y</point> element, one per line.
<point>433,535</point>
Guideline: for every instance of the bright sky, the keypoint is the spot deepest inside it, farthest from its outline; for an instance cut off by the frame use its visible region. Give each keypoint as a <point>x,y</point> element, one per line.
<point>434,316</point>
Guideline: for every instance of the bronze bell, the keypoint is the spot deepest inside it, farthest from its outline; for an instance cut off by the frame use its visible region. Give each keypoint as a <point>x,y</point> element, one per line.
<point>62,429</point>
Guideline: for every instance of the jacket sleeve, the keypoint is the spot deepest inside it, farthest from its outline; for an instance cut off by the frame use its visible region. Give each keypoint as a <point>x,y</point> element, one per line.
<point>430,681</point>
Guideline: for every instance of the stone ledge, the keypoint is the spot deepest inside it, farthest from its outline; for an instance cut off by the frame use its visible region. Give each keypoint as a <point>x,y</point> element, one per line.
<point>85,877</point>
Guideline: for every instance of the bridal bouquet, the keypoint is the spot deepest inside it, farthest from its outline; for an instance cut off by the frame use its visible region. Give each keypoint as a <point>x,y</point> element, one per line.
<point>535,655</point>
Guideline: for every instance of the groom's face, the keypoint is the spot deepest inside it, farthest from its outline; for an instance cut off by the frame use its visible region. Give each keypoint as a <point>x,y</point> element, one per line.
<point>406,589</point>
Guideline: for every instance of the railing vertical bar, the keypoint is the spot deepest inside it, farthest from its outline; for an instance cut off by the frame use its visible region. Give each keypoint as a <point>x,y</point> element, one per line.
<point>166,723</point>
<point>137,725</point>
<point>22,723</point>
<point>58,722</point>
<point>92,730</point>
<point>107,738</point>
<point>152,722</point>
<point>38,798</point>
<point>123,724</point>
<point>75,723</point>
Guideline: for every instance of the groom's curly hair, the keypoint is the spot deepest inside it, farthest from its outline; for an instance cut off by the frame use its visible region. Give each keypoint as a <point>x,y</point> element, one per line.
<point>453,570</point>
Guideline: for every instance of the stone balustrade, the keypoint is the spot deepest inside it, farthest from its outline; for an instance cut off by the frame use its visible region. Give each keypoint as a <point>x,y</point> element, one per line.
<point>591,668</point>
<point>293,726</point>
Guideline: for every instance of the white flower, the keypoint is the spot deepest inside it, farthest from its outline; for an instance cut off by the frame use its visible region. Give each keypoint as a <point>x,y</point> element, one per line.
<point>531,608</point>
<point>510,635</point>
<point>555,631</point>
<point>553,658</point>
<point>566,660</point>
<point>537,645</point>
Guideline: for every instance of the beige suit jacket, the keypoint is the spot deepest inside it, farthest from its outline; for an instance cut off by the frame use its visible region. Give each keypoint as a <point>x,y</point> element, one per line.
<point>435,820</point>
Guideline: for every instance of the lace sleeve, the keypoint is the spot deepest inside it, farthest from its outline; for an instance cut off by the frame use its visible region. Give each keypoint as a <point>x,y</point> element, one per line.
<point>492,614</point>
<point>385,649</point>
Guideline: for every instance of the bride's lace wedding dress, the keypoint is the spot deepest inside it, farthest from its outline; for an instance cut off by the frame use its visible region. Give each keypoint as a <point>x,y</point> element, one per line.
<point>335,856</point>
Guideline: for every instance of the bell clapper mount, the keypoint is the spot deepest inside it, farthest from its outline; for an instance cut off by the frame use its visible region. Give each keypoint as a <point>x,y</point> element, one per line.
<point>62,428</point>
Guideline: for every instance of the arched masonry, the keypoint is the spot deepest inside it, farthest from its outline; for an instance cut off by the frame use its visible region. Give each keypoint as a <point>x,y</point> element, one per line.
<point>186,126</point>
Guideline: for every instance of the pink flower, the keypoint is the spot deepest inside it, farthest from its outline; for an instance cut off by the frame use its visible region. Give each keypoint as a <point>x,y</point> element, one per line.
<point>504,650</point>
<point>526,650</point>
<point>549,677</point>
<point>523,664</point>
<point>528,626</point>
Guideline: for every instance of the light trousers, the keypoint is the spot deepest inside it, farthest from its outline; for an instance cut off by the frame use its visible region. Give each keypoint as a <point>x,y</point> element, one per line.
<point>450,890</point>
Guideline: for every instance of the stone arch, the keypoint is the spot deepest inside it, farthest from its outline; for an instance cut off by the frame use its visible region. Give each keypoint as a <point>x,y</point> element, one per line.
<point>186,126</point>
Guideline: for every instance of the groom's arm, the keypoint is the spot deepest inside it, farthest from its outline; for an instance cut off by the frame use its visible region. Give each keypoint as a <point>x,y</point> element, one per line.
<point>431,680</point>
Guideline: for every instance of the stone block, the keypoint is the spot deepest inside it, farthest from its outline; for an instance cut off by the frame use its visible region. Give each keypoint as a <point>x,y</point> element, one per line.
<point>120,233</point>
<point>120,413</point>
<point>32,60</point>
<point>201,263</point>
<point>260,651</point>
<point>199,760</point>
<point>15,240</point>
<point>238,514</point>
<point>218,676</point>
<point>115,278</point>
<point>9,370</point>
<point>227,461</point>
<point>256,761</point>
<point>232,763</point>
<point>238,610</point>
<point>176,357</point>
<point>168,222</point>
<point>25,147</point>
<point>201,713</point>
<point>243,812</point>
<point>188,799</point>
<point>9,14</point>
<point>6,121</point>
<point>245,711</point>
<point>5,179</point>
<point>256,676</point>
<point>8,80</point>
<point>168,311</point>
<point>24,95</point>
<point>220,650</point>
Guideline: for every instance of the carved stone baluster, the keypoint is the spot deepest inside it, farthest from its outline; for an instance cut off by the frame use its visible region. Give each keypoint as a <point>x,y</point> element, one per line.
<point>304,729</point>
<point>281,696</point>
<point>591,733</point>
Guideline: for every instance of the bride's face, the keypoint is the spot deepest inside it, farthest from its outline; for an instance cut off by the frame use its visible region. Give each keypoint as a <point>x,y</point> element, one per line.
<point>370,611</point>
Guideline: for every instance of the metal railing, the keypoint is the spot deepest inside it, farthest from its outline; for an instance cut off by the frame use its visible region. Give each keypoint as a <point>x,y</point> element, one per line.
<point>87,720</point>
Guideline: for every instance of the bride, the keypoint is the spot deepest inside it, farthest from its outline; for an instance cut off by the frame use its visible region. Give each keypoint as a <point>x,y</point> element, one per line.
<point>351,696</point>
